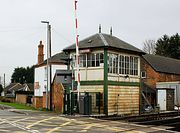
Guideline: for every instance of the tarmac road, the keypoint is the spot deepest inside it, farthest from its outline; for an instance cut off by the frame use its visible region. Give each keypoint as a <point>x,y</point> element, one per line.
<point>22,121</point>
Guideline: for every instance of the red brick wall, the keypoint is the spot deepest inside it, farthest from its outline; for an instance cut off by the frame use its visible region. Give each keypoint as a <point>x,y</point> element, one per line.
<point>57,97</point>
<point>40,53</point>
<point>44,100</point>
<point>37,102</point>
<point>153,76</point>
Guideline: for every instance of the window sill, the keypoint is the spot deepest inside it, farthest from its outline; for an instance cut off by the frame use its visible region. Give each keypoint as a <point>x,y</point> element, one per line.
<point>123,75</point>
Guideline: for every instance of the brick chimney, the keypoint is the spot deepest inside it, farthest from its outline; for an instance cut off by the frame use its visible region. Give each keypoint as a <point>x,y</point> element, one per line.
<point>40,53</point>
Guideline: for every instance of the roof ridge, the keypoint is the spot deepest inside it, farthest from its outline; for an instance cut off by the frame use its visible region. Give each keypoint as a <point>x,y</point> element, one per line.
<point>99,40</point>
<point>14,85</point>
<point>164,57</point>
<point>103,39</point>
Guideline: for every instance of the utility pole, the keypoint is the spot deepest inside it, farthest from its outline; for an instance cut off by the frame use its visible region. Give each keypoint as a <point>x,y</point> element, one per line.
<point>48,57</point>
<point>50,67</point>
<point>4,80</point>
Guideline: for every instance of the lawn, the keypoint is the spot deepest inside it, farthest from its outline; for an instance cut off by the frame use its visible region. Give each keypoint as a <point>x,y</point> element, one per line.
<point>17,106</point>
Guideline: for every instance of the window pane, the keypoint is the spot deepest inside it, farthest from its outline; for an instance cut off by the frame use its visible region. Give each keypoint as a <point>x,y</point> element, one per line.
<point>116,64</point>
<point>113,63</point>
<point>89,60</point>
<point>84,60</point>
<point>98,59</point>
<point>122,65</point>
<point>143,74</point>
<point>93,60</point>
<point>110,63</point>
<point>81,60</point>
<point>131,65</point>
<point>101,58</point>
<point>135,65</point>
<point>126,65</point>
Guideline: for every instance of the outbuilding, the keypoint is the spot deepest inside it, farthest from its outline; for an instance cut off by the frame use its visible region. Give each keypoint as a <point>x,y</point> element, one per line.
<point>157,72</point>
<point>171,85</point>
<point>165,99</point>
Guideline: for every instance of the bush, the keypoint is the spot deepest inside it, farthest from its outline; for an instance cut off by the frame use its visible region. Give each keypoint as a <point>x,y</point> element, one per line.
<point>6,100</point>
<point>1,98</point>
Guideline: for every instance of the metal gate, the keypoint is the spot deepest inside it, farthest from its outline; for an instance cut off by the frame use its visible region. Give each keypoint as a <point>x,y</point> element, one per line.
<point>89,103</point>
<point>85,104</point>
<point>66,102</point>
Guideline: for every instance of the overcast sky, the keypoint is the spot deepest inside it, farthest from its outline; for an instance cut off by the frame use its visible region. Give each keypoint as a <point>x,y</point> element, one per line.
<point>133,21</point>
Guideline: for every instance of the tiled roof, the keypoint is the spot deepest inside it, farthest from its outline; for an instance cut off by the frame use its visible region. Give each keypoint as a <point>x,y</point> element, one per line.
<point>64,72</point>
<point>103,40</point>
<point>163,64</point>
<point>13,87</point>
<point>57,58</point>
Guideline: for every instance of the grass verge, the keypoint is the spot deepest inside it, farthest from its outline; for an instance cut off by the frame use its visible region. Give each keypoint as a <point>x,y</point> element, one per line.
<point>17,106</point>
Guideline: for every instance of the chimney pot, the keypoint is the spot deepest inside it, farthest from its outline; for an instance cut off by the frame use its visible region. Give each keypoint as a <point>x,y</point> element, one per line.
<point>40,52</point>
<point>99,28</point>
<point>111,31</point>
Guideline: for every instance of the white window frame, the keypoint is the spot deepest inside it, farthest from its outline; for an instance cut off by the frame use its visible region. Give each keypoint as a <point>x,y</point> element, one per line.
<point>145,74</point>
<point>89,63</point>
<point>127,64</point>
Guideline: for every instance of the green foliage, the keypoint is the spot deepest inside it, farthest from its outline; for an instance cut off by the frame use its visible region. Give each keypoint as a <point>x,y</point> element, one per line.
<point>169,46</point>
<point>23,75</point>
<point>1,88</point>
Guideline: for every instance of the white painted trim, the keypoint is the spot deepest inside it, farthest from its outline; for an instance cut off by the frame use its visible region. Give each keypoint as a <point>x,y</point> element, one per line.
<point>103,39</point>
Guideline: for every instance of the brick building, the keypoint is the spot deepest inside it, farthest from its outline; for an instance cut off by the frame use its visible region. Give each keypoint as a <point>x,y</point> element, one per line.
<point>61,85</point>
<point>155,69</point>
<point>57,61</point>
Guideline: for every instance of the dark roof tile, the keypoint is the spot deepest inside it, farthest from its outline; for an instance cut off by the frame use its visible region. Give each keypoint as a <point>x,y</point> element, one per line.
<point>64,72</point>
<point>13,87</point>
<point>57,58</point>
<point>163,64</point>
<point>103,40</point>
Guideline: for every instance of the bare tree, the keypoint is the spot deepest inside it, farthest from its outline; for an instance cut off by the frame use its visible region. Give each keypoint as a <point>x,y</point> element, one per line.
<point>149,46</point>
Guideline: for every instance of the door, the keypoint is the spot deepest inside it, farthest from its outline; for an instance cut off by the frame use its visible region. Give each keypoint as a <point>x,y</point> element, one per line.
<point>176,93</point>
<point>162,99</point>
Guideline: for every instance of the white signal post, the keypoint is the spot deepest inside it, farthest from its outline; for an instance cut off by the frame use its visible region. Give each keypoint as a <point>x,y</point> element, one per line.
<point>77,52</point>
